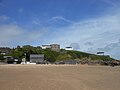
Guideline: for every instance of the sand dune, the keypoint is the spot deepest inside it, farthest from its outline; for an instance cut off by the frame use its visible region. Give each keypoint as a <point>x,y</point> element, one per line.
<point>59,77</point>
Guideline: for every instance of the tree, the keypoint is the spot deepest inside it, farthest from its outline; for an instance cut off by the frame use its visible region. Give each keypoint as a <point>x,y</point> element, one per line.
<point>64,57</point>
<point>1,57</point>
<point>50,55</point>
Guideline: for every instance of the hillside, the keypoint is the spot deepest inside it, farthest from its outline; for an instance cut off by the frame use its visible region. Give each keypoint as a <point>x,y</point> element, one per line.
<point>53,56</point>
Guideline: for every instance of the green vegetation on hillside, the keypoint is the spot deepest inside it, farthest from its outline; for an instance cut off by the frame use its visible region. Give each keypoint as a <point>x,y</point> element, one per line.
<point>53,56</point>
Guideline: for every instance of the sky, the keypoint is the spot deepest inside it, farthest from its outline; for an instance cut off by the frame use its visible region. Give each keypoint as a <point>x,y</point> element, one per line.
<point>86,25</point>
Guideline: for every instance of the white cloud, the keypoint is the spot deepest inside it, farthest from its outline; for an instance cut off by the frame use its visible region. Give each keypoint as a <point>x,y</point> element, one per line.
<point>20,10</point>
<point>4,17</point>
<point>60,18</point>
<point>8,33</point>
<point>110,2</point>
<point>36,21</point>
<point>12,35</point>
<point>89,43</point>
<point>100,31</point>
<point>94,29</point>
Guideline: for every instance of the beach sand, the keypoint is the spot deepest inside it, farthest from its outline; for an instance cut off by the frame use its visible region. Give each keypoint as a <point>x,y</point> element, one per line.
<point>59,77</point>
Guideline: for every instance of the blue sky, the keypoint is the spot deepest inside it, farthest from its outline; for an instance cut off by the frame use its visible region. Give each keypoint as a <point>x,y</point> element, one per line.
<point>86,25</point>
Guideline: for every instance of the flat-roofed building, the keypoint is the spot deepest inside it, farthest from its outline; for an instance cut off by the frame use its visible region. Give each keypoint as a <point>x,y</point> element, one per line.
<point>37,58</point>
<point>68,48</point>
<point>55,47</point>
<point>4,50</point>
<point>46,46</point>
<point>100,53</point>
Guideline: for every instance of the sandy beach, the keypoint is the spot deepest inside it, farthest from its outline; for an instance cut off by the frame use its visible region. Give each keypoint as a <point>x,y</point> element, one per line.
<point>59,77</point>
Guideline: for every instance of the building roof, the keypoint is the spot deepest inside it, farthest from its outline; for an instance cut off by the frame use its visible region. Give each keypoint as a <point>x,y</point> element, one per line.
<point>45,45</point>
<point>37,55</point>
<point>55,44</point>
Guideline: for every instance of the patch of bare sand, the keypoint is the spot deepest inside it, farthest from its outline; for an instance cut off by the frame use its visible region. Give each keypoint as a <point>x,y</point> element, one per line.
<point>59,77</point>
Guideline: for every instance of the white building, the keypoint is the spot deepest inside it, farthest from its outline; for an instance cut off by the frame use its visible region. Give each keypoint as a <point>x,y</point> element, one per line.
<point>100,53</point>
<point>46,46</point>
<point>54,47</point>
<point>68,48</point>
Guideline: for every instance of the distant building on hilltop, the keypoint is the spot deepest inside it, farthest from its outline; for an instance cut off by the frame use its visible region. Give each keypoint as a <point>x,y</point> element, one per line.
<point>68,48</point>
<point>4,50</point>
<point>55,47</point>
<point>100,53</point>
<point>46,46</point>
